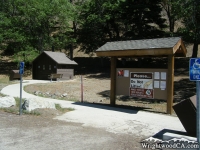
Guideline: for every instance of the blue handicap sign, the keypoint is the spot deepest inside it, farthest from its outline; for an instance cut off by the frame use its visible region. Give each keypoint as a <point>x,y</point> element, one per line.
<point>21,68</point>
<point>194,69</point>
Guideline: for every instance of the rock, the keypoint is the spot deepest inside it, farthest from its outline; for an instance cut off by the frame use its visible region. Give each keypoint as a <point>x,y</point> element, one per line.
<point>7,101</point>
<point>37,92</point>
<point>57,94</point>
<point>53,96</point>
<point>64,95</point>
<point>25,105</point>
<point>33,103</point>
<point>47,93</point>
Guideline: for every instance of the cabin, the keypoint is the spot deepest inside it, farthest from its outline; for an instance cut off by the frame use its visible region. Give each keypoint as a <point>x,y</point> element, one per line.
<point>49,62</point>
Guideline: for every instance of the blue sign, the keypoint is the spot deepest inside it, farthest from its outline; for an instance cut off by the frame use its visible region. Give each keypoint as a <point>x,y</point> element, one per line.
<point>21,68</point>
<point>194,69</point>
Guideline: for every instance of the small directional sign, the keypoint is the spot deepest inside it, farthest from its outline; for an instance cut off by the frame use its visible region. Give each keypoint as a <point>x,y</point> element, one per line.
<point>194,69</point>
<point>21,68</point>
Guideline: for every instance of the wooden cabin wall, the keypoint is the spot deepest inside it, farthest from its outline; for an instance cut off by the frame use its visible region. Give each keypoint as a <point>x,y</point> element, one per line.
<point>67,73</point>
<point>43,66</point>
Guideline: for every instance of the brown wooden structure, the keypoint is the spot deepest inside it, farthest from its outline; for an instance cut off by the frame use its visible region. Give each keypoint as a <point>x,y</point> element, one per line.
<point>162,47</point>
<point>48,63</point>
<point>14,75</point>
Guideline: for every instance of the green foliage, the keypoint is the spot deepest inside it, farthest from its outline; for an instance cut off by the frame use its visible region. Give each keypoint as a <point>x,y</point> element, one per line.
<point>34,25</point>
<point>17,100</point>
<point>188,12</point>
<point>27,56</point>
<point>111,20</point>
<point>36,113</point>
<point>59,108</point>
<point>169,6</point>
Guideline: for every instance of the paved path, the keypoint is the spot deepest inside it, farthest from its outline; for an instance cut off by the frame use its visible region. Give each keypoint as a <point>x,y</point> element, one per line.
<point>115,120</point>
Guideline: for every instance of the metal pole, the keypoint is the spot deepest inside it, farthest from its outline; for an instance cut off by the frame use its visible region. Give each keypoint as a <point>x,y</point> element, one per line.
<point>20,103</point>
<point>198,109</point>
<point>81,89</point>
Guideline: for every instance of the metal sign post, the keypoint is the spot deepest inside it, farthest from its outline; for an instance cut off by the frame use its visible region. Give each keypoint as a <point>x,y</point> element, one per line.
<point>194,73</point>
<point>198,110</point>
<point>21,72</point>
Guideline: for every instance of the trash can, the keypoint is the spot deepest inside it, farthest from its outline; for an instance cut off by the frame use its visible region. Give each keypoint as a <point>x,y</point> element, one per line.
<point>14,75</point>
<point>186,112</point>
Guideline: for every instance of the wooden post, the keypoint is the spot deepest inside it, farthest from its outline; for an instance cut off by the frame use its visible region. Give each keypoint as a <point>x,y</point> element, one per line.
<point>113,81</point>
<point>170,84</point>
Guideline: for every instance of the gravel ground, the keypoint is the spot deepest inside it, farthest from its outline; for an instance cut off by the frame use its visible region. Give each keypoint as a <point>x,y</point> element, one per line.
<point>39,132</point>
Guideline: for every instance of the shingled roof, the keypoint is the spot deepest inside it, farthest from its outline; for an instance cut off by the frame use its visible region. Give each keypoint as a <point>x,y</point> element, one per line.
<point>59,58</point>
<point>159,46</point>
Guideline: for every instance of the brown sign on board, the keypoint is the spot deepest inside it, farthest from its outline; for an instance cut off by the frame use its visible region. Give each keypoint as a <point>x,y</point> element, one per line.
<point>143,93</point>
<point>141,75</point>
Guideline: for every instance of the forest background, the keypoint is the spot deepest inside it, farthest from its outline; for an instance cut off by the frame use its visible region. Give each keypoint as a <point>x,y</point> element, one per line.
<point>29,27</point>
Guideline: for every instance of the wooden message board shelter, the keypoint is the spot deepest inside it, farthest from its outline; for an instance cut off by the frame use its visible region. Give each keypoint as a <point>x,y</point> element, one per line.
<point>161,47</point>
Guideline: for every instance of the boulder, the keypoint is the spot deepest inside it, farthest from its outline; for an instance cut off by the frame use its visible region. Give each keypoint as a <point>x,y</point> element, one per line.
<point>7,101</point>
<point>37,92</point>
<point>33,103</point>
<point>64,95</point>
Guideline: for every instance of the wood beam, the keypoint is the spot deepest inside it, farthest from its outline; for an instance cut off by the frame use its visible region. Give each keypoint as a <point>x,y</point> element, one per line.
<point>170,84</point>
<point>113,81</point>
<point>180,49</point>
<point>136,52</point>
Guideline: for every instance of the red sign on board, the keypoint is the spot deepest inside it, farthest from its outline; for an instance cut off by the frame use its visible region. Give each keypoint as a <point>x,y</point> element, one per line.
<point>143,93</point>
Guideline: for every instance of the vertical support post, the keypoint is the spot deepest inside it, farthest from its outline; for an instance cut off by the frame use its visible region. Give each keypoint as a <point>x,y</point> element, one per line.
<point>20,103</point>
<point>81,89</point>
<point>170,84</point>
<point>113,81</point>
<point>198,110</point>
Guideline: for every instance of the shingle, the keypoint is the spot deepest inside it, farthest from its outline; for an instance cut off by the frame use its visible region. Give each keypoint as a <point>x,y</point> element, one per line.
<point>60,58</point>
<point>140,44</point>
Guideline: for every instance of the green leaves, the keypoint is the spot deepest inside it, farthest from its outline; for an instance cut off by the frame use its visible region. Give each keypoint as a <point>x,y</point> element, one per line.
<point>35,24</point>
<point>111,20</point>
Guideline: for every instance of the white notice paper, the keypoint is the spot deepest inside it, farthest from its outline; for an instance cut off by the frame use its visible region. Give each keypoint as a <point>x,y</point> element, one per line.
<point>126,73</point>
<point>156,75</point>
<point>156,84</point>
<point>163,75</point>
<point>163,85</point>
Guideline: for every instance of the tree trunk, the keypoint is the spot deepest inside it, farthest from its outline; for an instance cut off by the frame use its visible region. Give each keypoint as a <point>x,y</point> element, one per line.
<point>71,51</point>
<point>171,25</point>
<point>195,50</point>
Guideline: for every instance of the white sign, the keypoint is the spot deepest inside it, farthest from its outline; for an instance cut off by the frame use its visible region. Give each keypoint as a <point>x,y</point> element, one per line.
<point>141,85</point>
<point>141,80</point>
<point>156,84</point>
<point>126,73</point>
<point>163,75</point>
<point>156,75</point>
<point>163,85</point>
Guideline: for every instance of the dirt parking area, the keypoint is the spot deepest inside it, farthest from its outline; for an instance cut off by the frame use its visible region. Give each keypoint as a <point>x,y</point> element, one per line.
<point>44,133</point>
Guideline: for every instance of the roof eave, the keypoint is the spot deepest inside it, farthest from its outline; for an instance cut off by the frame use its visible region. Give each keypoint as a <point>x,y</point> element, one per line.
<point>66,64</point>
<point>179,49</point>
<point>136,52</point>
